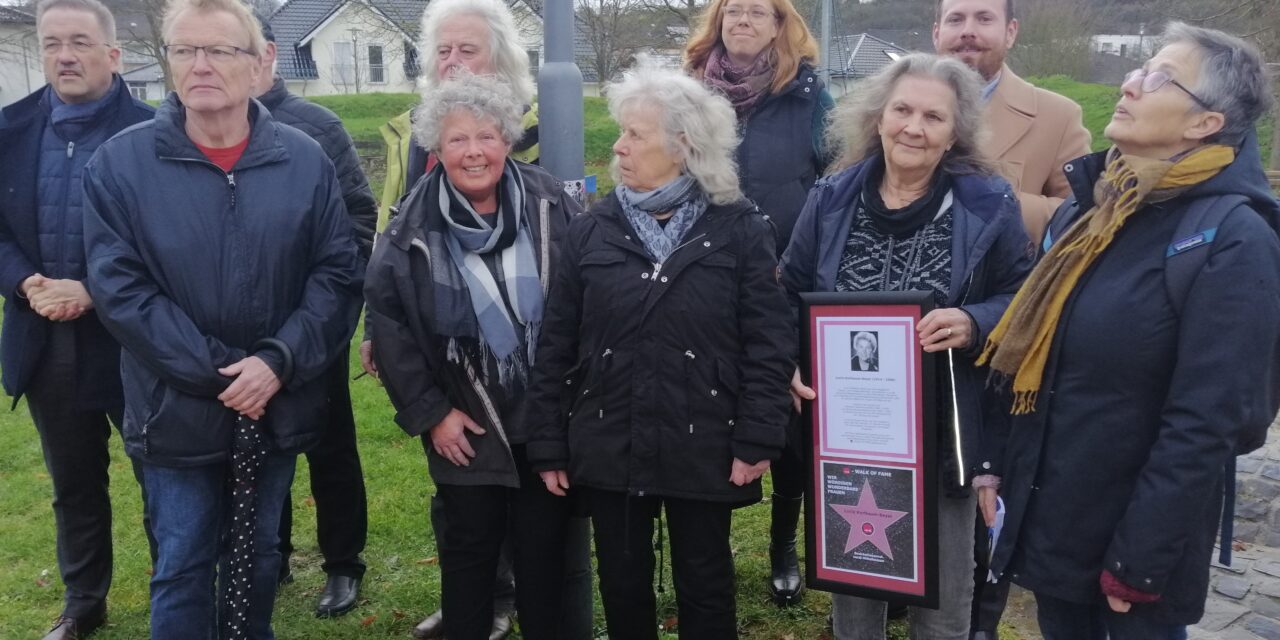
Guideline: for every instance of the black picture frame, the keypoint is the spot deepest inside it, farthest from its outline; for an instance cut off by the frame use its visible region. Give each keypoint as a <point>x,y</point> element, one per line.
<point>870,569</point>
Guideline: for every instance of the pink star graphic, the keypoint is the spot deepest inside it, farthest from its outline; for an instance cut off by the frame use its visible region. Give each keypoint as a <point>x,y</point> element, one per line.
<point>867,522</point>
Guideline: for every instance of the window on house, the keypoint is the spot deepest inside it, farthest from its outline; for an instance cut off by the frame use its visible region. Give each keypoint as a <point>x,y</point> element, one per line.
<point>344,63</point>
<point>377,72</point>
<point>535,60</point>
<point>137,89</point>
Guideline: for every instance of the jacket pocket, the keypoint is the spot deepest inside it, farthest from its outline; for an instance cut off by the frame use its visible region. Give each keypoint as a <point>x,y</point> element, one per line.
<point>183,428</point>
<point>604,273</point>
<point>711,395</point>
<point>595,392</point>
<point>708,286</point>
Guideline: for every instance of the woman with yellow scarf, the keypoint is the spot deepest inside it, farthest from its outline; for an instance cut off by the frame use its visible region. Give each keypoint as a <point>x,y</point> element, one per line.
<point>1132,389</point>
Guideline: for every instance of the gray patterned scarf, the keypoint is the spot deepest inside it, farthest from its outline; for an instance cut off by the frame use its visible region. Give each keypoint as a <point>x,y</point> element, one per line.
<point>682,195</point>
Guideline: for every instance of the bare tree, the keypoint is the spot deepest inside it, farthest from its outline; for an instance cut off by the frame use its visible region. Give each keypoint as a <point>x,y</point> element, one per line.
<point>1054,37</point>
<point>612,33</point>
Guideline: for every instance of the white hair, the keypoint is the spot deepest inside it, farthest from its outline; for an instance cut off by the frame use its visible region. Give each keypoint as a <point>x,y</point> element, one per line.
<point>697,124</point>
<point>509,60</point>
<point>485,97</point>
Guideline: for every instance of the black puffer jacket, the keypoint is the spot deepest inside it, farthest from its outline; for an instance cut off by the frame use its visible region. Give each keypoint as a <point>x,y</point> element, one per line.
<point>190,267</point>
<point>651,381</point>
<point>423,382</point>
<point>325,127</point>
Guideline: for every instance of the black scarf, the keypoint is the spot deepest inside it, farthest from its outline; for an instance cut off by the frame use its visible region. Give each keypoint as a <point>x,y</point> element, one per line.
<point>902,223</point>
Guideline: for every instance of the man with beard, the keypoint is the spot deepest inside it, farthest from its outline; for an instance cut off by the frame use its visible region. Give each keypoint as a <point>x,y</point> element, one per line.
<point>1033,131</point>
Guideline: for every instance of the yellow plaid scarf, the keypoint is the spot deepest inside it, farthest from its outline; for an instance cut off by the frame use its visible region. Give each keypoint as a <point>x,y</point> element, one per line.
<point>1019,345</point>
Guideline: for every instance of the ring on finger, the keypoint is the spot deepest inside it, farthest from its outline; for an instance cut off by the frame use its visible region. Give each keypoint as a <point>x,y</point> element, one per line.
<point>949,332</point>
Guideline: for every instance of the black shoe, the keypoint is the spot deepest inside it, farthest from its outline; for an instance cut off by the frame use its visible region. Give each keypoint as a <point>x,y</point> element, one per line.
<point>785,585</point>
<point>65,628</point>
<point>339,596</point>
<point>431,627</point>
<point>501,626</point>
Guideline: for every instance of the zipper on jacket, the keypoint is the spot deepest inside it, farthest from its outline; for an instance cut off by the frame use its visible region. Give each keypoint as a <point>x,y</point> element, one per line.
<point>607,356</point>
<point>657,266</point>
<point>689,357</point>
<point>231,182</point>
<point>71,149</point>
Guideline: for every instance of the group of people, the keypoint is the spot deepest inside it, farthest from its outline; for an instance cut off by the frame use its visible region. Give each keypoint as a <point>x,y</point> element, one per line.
<point>637,362</point>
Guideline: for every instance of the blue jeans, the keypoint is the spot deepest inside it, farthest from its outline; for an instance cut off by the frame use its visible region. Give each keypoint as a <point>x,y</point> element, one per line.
<point>1063,620</point>
<point>188,507</point>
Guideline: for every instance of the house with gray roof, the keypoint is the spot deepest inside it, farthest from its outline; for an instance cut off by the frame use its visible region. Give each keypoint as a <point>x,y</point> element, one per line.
<point>329,47</point>
<point>851,58</point>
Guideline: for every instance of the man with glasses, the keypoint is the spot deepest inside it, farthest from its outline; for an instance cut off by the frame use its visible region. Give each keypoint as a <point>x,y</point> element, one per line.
<point>221,257</point>
<point>53,347</point>
<point>1034,132</point>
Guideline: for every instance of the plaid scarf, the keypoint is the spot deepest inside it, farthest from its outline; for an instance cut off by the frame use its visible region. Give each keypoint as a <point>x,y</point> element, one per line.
<point>1019,345</point>
<point>469,301</point>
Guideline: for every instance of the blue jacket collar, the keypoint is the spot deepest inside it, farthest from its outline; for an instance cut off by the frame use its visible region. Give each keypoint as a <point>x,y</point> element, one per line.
<point>173,143</point>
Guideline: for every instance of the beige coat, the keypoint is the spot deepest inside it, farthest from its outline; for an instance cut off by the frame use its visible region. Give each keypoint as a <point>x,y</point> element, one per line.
<point>1033,133</point>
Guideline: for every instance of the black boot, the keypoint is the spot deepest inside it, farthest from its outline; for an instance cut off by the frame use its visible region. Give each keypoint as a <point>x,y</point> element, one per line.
<point>785,585</point>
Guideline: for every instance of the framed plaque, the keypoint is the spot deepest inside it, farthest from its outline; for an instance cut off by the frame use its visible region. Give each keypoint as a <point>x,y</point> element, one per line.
<point>871,527</point>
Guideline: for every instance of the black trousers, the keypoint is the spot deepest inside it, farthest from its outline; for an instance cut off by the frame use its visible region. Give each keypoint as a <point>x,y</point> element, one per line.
<point>74,443</point>
<point>701,565</point>
<point>549,552</point>
<point>989,599</point>
<point>788,471</point>
<point>337,485</point>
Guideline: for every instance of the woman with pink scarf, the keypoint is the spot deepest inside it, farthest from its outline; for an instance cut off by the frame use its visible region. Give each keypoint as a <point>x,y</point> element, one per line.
<point>760,55</point>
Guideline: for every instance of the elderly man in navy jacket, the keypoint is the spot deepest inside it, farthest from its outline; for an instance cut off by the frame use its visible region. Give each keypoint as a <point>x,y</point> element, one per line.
<point>53,348</point>
<point>221,257</point>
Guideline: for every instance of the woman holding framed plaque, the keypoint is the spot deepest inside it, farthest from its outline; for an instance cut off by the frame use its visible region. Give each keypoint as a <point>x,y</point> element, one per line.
<point>1143,352</point>
<point>661,375</point>
<point>916,207</point>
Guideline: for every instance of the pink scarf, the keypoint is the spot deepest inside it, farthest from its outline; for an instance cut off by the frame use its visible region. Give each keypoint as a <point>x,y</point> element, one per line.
<point>742,86</point>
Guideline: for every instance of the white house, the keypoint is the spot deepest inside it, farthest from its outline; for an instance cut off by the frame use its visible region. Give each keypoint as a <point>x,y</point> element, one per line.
<point>20,68</point>
<point>1138,47</point>
<point>365,46</point>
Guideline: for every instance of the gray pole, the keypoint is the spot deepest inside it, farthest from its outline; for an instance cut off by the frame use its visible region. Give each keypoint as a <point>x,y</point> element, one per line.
<point>824,44</point>
<point>560,138</point>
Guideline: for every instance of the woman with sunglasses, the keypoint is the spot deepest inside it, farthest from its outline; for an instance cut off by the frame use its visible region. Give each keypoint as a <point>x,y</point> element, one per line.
<point>1134,386</point>
<point>761,56</point>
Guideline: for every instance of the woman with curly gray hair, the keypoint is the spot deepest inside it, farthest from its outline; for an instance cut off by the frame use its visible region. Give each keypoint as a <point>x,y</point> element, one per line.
<point>455,291</point>
<point>916,207</point>
<point>666,345</point>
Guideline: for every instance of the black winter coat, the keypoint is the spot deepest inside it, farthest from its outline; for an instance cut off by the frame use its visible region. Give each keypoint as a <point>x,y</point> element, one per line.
<point>1120,467</point>
<point>781,154</point>
<point>191,267</point>
<point>25,332</point>
<point>423,383</point>
<point>651,381</point>
<point>325,127</point>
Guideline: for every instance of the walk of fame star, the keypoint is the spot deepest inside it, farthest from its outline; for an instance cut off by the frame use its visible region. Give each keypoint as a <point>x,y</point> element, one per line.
<point>867,522</point>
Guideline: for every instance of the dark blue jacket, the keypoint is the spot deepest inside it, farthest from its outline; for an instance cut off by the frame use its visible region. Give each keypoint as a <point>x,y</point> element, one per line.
<point>990,257</point>
<point>24,333</point>
<point>781,152</point>
<point>1120,466</point>
<point>191,267</point>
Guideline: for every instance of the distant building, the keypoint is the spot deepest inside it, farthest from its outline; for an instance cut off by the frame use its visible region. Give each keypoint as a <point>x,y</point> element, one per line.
<point>1136,47</point>
<point>20,68</point>
<point>851,58</point>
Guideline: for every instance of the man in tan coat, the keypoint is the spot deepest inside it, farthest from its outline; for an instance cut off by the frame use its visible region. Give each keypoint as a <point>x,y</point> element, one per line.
<point>1033,132</point>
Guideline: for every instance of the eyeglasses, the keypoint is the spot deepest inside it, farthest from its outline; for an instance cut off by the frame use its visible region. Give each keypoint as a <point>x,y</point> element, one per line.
<point>54,47</point>
<point>1151,81</point>
<point>755,14</point>
<point>214,53</point>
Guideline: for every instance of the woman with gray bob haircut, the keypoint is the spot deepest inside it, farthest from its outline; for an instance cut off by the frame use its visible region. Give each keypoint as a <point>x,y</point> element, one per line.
<point>662,372</point>
<point>456,291</point>
<point>914,206</point>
